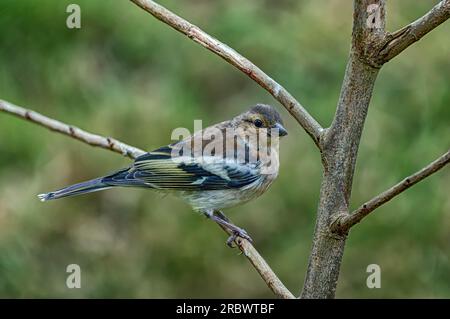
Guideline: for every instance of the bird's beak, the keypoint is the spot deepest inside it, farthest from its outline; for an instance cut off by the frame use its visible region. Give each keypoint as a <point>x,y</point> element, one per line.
<point>281,130</point>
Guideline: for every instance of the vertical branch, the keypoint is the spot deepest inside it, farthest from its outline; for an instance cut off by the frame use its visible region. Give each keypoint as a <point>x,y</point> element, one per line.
<point>340,149</point>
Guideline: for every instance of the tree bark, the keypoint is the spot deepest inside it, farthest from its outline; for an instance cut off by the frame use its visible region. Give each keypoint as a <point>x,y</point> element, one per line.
<point>339,151</point>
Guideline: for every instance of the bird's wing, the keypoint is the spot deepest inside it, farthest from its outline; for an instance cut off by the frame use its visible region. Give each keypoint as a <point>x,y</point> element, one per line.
<point>159,169</point>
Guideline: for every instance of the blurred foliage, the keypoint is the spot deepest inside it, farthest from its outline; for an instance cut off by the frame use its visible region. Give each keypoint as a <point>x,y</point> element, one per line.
<point>124,74</point>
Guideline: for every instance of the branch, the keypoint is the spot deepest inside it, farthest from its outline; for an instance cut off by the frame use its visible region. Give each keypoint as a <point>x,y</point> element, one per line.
<point>261,266</point>
<point>309,124</point>
<point>346,222</point>
<point>264,270</point>
<point>72,131</point>
<point>340,148</point>
<point>398,41</point>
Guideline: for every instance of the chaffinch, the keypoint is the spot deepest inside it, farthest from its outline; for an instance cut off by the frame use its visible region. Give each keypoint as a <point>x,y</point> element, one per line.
<point>218,167</point>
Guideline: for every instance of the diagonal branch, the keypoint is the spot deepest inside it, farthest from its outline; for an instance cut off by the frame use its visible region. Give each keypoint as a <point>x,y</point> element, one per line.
<point>72,131</point>
<point>258,262</point>
<point>346,222</point>
<point>398,41</point>
<point>309,124</point>
<point>267,274</point>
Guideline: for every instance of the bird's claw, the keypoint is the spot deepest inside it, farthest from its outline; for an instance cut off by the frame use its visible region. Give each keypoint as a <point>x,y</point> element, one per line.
<point>235,234</point>
<point>231,240</point>
<point>225,223</point>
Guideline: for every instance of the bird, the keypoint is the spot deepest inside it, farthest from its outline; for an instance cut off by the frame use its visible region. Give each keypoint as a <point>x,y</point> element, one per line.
<point>221,166</point>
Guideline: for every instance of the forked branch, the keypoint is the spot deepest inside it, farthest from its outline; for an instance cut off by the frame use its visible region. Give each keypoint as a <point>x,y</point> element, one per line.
<point>249,251</point>
<point>398,41</point>
<point>348,221</point>
<point>309,124</point>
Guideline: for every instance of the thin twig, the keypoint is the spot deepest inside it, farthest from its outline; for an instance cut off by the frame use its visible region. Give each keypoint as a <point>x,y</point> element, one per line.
<point>399,40</point>
<point>72,131</point>
<point>261,266</point>
<point>348,221</point>
<point>264,270</point>
<point>309,124</point>
<point>274,283</point>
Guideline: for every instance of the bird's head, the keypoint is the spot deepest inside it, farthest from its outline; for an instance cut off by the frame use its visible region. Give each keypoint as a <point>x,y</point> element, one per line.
<point>261,116</point>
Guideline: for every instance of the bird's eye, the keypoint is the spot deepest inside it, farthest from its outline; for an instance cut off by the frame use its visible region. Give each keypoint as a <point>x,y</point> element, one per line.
<point>258,123</point>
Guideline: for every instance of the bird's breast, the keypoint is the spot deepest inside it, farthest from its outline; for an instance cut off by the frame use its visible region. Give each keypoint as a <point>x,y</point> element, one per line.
<point>229,197</point>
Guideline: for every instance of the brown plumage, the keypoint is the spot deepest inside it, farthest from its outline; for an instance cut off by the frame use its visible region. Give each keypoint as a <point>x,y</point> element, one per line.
<point>221,166</point>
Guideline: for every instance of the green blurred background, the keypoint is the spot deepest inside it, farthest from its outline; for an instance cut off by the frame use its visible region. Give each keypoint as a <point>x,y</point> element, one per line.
<point>126,75</point>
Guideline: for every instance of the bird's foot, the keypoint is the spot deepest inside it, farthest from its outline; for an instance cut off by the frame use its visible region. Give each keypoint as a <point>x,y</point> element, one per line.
<point>235,234</point>
<point>236,231</point>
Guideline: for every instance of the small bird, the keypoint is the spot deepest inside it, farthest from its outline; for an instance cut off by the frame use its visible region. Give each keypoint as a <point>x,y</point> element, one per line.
<point>221,166</point>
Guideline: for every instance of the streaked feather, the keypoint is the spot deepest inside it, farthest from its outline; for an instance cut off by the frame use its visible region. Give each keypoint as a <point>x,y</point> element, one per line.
<point>206,182</point>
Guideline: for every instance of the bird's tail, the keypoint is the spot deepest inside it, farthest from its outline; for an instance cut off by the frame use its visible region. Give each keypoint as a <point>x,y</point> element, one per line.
<point>81,188</point>
<point>123,178</point>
